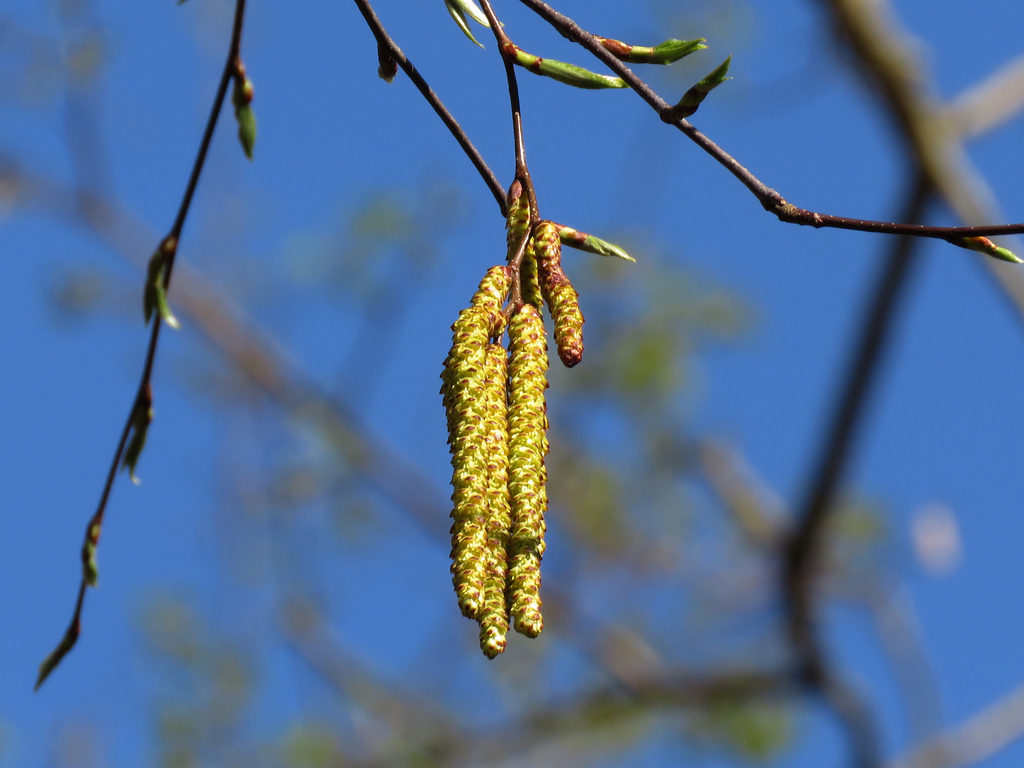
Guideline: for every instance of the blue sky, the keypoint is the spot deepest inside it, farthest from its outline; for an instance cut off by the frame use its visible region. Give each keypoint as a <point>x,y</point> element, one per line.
<point>944,428</point>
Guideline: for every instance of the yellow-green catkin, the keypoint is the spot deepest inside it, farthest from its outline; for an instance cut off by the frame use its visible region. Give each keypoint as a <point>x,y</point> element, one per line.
<point>529,277</point>
<point>463,387</point>
<point>493,617</point>
<point>527,428</point>
<point>562,300</point>
<point>491,294</point>
<point>517,225</point>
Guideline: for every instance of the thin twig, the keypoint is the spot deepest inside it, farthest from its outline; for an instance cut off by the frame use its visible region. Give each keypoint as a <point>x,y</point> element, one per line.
<point>769,198</point>
<point>384,40</point>
<point>95,526</point>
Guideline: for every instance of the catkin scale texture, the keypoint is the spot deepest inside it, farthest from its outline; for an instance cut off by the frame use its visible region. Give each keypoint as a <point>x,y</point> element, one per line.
<point>562,300</point>
<point>527,426</point>
<point>463,385</point>
<point>493,616</point>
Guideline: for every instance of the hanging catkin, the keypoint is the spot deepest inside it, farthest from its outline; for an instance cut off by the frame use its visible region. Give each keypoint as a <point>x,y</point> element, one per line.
<point>527,427</point>
<point>562,300</point>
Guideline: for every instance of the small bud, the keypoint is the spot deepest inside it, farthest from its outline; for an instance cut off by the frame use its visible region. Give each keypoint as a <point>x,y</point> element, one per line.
<point>569,74</point>
<point>154,296</point>
<point>241,99</point>
<point>584,242</point>
<point>142,416</point>
<point>986,246</point>
<point>388,66</point>
<point>665,53</point>
<point>693,97</point>
<point>90,570</point>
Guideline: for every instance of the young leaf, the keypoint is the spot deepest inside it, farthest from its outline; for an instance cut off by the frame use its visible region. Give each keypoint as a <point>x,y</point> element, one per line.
<point>584,242</point>
<point>569,74</point>
<point>693,97</point>
<point>459,9</point>
<point>665,53</point>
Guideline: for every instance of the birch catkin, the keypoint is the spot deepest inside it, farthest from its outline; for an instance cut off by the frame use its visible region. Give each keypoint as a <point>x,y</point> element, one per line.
<point>562,300</point>
<point>527,427</point>
<point>463,389</point>
<point>493,617</point>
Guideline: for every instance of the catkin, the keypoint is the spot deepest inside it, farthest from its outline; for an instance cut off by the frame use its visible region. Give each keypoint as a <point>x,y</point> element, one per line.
<point>463,384</point>
<point>493,617</point>
<point>527,426</point>
<point>529,277</point>
<point>562,300</point>
<point>517,224</point>
<point>491,295</point>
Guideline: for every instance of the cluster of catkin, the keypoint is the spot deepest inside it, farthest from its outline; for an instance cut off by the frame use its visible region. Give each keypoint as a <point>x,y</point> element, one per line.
<point>497,428</point>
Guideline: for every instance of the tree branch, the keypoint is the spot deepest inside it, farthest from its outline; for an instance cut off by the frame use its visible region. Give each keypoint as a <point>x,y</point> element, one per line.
<point>143,396</point>
<point>384,40</point>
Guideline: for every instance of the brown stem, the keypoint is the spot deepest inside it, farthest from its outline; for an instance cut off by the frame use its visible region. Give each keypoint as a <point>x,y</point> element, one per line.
<point>384,40</point>
<point>95,526</point>
<point>769,198</point>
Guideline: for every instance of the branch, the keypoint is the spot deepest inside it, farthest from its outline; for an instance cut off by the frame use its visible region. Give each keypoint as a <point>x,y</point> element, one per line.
<point>985,734</point>
<point>384,41</point>
<point>884,52</point>
<point>770,199</point>
<point>143,397</point>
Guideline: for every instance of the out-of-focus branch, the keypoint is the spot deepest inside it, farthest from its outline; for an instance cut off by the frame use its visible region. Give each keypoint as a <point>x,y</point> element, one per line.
<point>755,510</point>
<point>804,546</point>
<point>139,413</point>
<point>976,740</point>
<point>770,199</point>
<point>884,53</point>
<point>988,104</point>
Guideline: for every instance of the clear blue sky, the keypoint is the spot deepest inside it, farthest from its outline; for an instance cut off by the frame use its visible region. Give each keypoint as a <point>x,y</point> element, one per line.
<point>945,427</point>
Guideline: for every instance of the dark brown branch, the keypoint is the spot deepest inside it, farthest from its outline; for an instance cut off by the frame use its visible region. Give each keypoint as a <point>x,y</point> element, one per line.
<point>384,41</point>
<point>769,198</point>
<point>803,548</point>
<point>95,526</point>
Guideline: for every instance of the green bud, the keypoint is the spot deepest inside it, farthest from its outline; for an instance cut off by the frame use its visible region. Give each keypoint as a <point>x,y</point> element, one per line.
<point>142,417</point>
<point>57,655</point>
<point>154,296</point>
<point>90,569</point>
<point>693,97</point>
<point>241,99</point>
<point>584,242</point>
<point>569,74</point>
<point>665,53</point>
<point>986,246</point>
